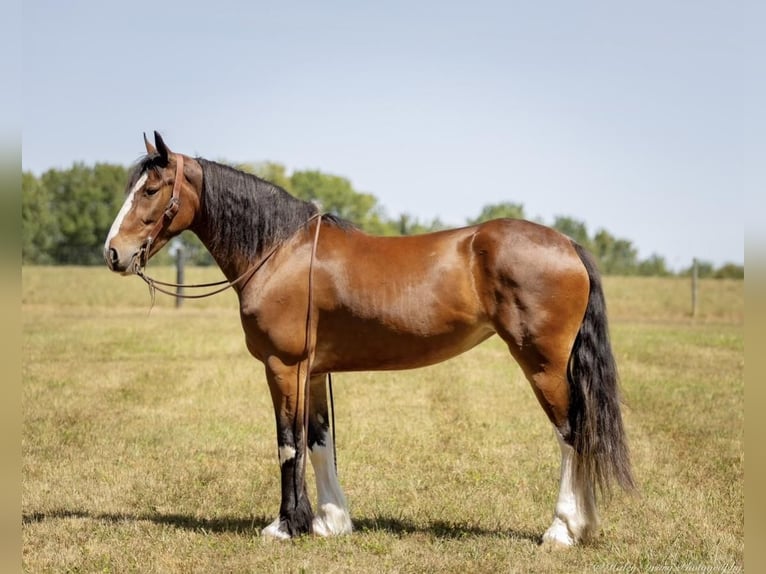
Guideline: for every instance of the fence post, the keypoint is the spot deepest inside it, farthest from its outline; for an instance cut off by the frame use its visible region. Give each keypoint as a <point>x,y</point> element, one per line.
<point>179,275</point>
<point>695,274</point>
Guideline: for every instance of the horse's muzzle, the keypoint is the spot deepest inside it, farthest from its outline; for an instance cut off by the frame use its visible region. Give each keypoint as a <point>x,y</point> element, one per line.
<point>126,266</point>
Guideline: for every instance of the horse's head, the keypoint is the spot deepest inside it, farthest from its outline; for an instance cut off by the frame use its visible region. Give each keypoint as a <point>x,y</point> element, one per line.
<point>162,199</point>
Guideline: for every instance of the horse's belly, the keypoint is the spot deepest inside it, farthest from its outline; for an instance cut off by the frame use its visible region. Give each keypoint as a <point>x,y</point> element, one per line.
<point>363,346</point>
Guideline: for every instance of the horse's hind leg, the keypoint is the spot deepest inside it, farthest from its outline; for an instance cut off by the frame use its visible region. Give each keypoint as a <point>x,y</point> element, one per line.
<point>566,354</point>
<point>575,516</point>
<point>332,517</point>
<point>543,354</point>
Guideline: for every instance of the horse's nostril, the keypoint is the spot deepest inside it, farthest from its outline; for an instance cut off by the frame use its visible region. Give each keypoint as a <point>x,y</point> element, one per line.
<point>113,256</point>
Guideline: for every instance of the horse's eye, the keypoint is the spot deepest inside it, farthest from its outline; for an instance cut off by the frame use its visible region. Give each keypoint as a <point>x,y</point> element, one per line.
<point>150,191</point>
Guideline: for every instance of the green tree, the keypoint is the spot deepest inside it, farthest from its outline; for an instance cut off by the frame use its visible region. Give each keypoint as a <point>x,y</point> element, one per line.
<point>84,201</point>
<point>654,266</point>
<point>497,211</point>
<point>705,270</point>
<point>273,172</point>
<point>336,195</point>
<point>730,271</point>
<point>38,225</point>
<point>575,229</point>
<point>408,225</point>
<point>615,256</point>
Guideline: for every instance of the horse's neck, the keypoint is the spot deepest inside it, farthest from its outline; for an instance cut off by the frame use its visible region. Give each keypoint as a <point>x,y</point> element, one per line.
<point>243,219</point>
<point>232,265</point>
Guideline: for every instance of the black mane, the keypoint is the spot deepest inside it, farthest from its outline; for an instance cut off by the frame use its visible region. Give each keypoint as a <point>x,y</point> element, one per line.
<point>251,214</point>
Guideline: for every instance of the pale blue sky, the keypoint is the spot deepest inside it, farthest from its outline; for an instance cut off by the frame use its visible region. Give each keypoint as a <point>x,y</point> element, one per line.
<point>628,116</point>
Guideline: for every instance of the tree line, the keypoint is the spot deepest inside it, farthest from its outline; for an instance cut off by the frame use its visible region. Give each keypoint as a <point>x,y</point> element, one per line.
<point>66,214</point>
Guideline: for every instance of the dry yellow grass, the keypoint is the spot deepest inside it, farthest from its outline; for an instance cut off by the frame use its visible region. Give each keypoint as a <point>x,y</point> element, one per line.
<point>148,443</point>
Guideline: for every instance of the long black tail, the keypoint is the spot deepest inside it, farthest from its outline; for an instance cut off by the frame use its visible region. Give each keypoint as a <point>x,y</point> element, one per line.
<point>595,419</point>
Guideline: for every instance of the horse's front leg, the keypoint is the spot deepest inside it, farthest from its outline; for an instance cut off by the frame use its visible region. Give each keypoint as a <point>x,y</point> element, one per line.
<point>332,511</point>
<point>286,384</point>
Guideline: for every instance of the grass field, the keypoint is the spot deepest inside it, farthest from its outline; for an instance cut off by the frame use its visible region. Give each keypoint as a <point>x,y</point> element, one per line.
<point>148,443</point>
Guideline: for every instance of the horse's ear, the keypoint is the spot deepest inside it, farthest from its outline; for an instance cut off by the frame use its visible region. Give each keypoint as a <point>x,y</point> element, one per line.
<point>150,149</point>
<point>162,149</point>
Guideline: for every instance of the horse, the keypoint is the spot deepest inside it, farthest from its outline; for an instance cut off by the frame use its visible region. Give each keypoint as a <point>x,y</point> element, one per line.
<point>317,295</point>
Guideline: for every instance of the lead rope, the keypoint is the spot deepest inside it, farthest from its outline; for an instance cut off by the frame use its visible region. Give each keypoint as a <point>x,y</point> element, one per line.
<point>332,417</point>
<point>157,285</point>
<point>307,350</point>
<point>154,283</point>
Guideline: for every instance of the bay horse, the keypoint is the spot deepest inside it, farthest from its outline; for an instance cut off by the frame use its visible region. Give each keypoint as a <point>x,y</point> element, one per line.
<point>341,300</point>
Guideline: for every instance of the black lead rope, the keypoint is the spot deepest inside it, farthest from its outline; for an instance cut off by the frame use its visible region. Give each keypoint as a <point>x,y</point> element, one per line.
<point>154,284</point>
<point>332,417</point>
<point>157,285</point>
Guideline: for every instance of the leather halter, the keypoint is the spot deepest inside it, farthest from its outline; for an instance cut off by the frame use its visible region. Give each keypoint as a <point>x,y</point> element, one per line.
<point>167,216</point>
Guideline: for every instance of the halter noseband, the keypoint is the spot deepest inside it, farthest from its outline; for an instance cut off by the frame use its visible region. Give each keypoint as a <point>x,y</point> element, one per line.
<point>167,216</point>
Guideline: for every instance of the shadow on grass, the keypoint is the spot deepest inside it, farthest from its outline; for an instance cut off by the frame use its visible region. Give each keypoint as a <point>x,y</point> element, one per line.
<point>438,529</point>
<point>186,522</point>
<point>251,526</point>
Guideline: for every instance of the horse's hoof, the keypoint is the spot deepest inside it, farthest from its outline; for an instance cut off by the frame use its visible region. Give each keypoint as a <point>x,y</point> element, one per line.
<point>274,531</point>
<point>332,521</point>
<point>558,537</point>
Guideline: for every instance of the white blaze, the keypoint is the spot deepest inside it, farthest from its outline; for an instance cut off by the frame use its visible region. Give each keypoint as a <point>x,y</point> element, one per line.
<point>124,210</point>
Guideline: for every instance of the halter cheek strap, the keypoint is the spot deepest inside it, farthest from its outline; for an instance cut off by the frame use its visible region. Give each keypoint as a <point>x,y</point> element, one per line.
<point>170,211</point>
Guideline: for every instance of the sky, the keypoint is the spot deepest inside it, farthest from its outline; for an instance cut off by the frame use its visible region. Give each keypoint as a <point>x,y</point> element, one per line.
<point>627,116</point>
